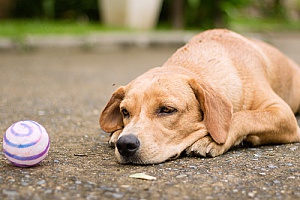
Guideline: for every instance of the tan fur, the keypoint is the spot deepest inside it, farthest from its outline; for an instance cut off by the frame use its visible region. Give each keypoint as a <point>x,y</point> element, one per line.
<point>225,89</point>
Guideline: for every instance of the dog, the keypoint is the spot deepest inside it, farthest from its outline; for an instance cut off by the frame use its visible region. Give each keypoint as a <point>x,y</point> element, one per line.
<point>217,91</point>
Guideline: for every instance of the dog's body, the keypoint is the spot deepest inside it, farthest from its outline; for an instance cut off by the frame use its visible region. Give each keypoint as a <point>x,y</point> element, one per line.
<point>218,90</point>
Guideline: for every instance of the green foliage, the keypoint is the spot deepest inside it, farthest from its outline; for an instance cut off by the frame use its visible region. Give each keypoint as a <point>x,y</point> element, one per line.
<point>26,9</point>
<point>264,25</point>
<point>205,14</point>
<point>198,14</point>
<point>23,28</point>
<point>212,13</point>
<point>57,9</point>
<point>74,9</point>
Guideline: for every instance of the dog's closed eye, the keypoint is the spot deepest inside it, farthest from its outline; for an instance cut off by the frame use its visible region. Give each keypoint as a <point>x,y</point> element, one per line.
<point>166,110</point>
<point>125,113</point>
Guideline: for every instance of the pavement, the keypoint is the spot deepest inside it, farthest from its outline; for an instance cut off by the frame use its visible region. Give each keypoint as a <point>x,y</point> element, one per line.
<point>64,82</point>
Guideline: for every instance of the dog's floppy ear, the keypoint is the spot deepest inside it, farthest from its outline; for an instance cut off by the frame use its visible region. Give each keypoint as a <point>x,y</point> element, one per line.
<point>111,119</point>
<point>217,111</point>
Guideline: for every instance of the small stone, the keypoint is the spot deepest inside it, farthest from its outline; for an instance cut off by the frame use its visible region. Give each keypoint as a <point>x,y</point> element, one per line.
<point>125,186</point>
<point>117,195</point>
<point>24,183</point>
<point>252,194</point>
<point>10,193</point>
<point>49,191</point>
<point>10,179</point>
<point>106,188</point>
<point>41,182</point>
<point>293,148</point>
<point>181,176</point>
<point>272,166</point>
<point>91,183</point>
<point>291,177</point>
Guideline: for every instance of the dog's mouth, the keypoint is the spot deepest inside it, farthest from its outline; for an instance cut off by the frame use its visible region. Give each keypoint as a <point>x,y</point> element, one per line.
<point>135,160</point>
<point>138,160</point>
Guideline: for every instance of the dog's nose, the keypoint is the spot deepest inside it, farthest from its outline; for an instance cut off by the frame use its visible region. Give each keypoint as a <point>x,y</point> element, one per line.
<point>127,145</point>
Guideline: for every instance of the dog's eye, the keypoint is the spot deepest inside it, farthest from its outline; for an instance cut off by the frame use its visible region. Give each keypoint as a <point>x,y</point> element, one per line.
<point>164,110</point>
<point>125,112</point>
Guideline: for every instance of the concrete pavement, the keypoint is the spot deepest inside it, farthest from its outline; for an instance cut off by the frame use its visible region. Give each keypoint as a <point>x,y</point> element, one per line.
<point>65,87</point>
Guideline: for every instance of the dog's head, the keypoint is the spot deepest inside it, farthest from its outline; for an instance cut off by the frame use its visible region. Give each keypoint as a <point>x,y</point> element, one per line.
<point>161,113</point>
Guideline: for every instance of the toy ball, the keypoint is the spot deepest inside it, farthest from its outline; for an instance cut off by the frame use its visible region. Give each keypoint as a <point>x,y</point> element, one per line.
<point>26,143</point>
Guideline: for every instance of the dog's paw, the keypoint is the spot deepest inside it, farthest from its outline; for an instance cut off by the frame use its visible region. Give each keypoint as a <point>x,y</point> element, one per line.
<point>206,147</point>
<point>113,138</point>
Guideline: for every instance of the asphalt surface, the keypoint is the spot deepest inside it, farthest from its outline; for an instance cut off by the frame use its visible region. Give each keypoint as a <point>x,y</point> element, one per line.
<point>64,89</point>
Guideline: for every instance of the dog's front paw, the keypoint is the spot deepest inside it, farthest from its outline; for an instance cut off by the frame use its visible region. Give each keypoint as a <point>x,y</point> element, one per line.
<point>206,147</point>
<point>113,138</point>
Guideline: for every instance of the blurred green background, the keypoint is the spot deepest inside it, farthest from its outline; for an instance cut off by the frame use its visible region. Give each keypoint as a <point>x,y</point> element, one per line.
<point>84,16</point>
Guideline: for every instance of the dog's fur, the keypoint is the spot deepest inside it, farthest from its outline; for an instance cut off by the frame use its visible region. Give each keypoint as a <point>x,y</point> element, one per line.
<point>213,93</point>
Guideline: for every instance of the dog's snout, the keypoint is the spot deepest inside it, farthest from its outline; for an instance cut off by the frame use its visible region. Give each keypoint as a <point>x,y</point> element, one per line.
<point>127,145</point>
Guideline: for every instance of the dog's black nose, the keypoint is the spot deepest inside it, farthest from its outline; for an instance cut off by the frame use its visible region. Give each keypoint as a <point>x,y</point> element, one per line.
<point>127,145</point>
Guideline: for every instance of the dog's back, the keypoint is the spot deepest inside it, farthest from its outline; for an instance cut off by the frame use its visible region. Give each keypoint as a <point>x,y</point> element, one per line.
<point>247,61</point>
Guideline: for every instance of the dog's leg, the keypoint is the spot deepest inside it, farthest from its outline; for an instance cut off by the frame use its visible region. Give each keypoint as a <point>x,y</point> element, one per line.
<point>274,124</point>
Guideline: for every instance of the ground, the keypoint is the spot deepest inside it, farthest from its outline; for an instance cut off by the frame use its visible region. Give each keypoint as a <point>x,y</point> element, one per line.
<point>65,89</point>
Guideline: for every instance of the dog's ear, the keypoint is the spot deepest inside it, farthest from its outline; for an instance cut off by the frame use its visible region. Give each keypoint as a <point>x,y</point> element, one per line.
<point>111,119</point>
<point>217,111</point>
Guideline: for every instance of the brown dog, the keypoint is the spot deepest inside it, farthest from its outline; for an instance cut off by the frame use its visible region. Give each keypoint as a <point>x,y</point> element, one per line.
<point>218,90</point>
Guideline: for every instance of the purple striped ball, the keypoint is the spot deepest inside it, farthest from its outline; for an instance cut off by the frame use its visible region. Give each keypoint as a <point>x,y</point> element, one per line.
<point>26,143</point>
